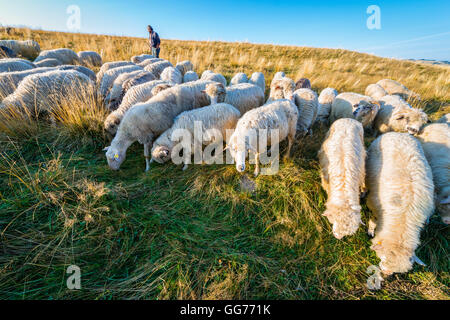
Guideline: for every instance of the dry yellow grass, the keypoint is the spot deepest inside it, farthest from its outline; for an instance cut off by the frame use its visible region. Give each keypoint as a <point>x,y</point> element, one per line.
<point>167,235</point>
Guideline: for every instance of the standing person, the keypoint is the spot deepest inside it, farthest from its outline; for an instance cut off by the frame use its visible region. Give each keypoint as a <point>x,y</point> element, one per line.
<point>153,41</point>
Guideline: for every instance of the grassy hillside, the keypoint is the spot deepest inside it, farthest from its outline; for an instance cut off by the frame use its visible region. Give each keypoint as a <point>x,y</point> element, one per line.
<point>168,234</point>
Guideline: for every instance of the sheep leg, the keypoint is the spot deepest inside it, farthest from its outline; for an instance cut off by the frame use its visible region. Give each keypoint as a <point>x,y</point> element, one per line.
<point>257,170</point>
<point>148,160</point>
<point>290,142</point>
<point>185,167</point>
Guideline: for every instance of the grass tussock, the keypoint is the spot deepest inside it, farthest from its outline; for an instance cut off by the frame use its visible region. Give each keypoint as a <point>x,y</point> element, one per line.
<point>197,234</point>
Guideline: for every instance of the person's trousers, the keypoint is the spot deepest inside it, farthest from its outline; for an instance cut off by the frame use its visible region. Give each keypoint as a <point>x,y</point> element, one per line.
<point>155,52</point>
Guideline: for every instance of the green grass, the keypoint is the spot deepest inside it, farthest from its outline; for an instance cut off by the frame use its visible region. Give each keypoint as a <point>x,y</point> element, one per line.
<point>168,234</point>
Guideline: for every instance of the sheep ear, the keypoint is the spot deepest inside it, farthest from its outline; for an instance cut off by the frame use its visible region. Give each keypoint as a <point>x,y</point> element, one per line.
<point>326,213</point>
<point>203,91</point>
<point>106,148</point>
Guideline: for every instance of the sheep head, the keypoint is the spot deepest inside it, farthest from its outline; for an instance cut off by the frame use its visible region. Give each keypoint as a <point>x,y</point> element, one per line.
<point>409,120</point>
<point>115,157</point>
<point>365,112</point>
<point>345,219</point>
<point>216,92</point>
<point>161,154</point>
<point>395,258</point>
<point>111,124</point>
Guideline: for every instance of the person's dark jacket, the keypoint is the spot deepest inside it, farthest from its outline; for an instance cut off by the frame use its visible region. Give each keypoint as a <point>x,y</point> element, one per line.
<point>154,40</point>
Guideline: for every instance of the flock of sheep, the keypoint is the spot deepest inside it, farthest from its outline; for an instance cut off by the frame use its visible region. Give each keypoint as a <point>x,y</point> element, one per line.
<point>405,170</point>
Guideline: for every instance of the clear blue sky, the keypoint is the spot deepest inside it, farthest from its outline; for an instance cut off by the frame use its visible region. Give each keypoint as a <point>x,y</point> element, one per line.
<point>409,28</point>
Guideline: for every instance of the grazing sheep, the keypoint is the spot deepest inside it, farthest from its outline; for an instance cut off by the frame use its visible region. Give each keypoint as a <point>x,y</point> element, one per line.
<point>303,83</point>
<point>12,64</point>
<point>435,140</point>
<point>172,75</point>
<point>158,67</point>
<point>10,80</point>
<point>400,119</point>
<point>140,58</point>
<point>184,66</point>
<point>279,75</point>
<point>66,56</point>
<point>394,101</point>
<point>146,121</point>
<point>86,71</point>
<point>146,62</point>
<point>282,88</point>
<point>6,52</point>
<point>325,100</point>
<point>111,75</point>
<point>161,87</point>
<point>258,79</point>
<point>375,91</point>
<point>354,106</point>
<point>190,76</point>
<point>50,62</point>
<point>444,119</point>
<point>212,76</point>
<point>243,96</point>
<point>117,87</point>
<point>342,162</point>
<point>218,117</point>
<point>308,106</point>
<point>90,58</point>
<point>111,65</point>
<point>401,192</point>
<point>28,48</point>
<point>42,92</point>
<point>136,94</point>
<point>396,88</point>
<point>239,77</point>
<point>281,115</point>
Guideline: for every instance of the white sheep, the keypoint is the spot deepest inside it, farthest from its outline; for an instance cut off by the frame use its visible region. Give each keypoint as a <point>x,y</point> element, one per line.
<point>239,77</point>
<point>444,119</point>
<point>342,162</point>
<point>146,121</point>
<point>325,100</point>
<point>306,101</point>
<point>355,106</point>
<point>396,88</point>
<point>146,62</point>
<point>13,64</point>
<point>281,88</point>
<point>117,87</point>
<point>158,67</point>
<point>279,75</point>
<point>27,48</point>
<point>43,92</point>
<point>394,101</point>
<point>111,75</point>
<point>257,78</point>
<point>435,140</point>
<point>90,58</point>
<point>66,56</point>
<point>212,76</point>
<point>136,94</point>
<point>86,71</point>
<point>172,75</point>
<point>281,115</point>
<point>243,96</point>
<point>140,58</point>
<point>49,62</point>
<point>10,80</point>
<point>400,119</point>
<point>190,76</point>
<point>214,119</point>
<point>401,199</point>
<point>184,66</point>
<point>375,91</point>
<point>111,65</point>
